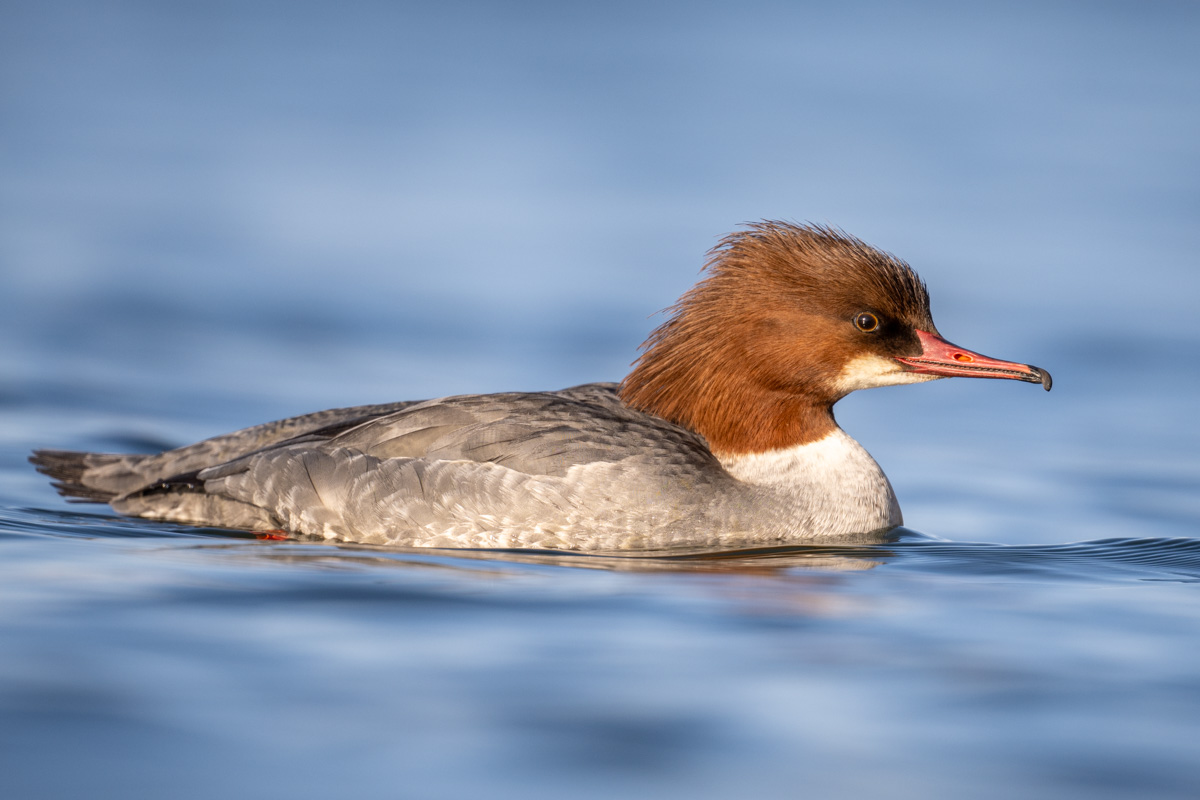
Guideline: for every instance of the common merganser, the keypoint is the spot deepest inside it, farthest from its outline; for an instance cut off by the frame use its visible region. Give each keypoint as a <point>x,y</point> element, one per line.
<point>722,436</point>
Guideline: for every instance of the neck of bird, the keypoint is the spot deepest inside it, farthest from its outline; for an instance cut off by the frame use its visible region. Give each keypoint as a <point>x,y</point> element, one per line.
<point>717,392</point>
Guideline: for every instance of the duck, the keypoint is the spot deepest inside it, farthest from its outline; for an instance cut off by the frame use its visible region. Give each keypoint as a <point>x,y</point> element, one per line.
<point>721,437</point>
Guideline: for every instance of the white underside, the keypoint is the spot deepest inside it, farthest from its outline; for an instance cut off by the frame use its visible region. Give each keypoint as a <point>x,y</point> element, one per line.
<point>833,483</point>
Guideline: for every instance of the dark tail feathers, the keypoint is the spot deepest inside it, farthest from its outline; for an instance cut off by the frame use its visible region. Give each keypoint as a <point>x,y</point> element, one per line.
<point>66,468</point>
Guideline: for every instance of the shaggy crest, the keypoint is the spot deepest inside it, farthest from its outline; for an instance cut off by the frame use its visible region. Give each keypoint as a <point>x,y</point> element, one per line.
<point>742,358</point>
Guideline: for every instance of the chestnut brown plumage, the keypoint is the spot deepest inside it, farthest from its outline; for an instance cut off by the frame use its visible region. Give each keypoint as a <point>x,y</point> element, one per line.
<point>747,353</point>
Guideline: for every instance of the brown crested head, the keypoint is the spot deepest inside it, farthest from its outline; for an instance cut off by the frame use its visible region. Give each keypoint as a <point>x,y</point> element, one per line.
<point>787,320</point>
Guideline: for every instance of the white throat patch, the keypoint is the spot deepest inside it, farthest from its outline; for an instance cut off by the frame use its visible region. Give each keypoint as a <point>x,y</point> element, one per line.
<point>869,371</point>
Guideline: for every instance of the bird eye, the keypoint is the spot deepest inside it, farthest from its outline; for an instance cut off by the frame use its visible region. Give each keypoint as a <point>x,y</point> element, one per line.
<point>866,322</point>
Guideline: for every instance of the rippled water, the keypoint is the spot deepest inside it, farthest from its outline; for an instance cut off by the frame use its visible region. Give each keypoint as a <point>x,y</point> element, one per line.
<point>209,220</point>
<point>179,662</point>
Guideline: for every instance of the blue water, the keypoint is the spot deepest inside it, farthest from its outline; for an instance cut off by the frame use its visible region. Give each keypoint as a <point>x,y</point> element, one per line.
<point>212,216</point>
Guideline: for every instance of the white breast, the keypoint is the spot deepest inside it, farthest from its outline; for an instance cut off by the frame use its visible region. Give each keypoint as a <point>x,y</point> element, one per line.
<point>833,484</point>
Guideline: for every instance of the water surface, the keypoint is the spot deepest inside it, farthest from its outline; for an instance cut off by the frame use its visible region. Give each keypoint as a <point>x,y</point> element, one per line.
<point>209,219</point>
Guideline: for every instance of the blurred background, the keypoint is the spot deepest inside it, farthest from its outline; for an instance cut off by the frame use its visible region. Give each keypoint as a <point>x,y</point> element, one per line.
<point>214,214</point>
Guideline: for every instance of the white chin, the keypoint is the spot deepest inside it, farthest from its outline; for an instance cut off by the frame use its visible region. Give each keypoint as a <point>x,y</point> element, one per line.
<point>868,372</point>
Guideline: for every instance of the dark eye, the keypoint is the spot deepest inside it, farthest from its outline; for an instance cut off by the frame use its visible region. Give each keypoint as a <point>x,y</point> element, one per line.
<point>866,322</point>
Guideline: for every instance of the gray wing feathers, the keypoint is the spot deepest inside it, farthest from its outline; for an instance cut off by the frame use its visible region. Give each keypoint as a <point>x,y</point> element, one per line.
<point>346,494</point>
<point>481,470</point>
<point>540,434</point>
<point>104,476</point>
